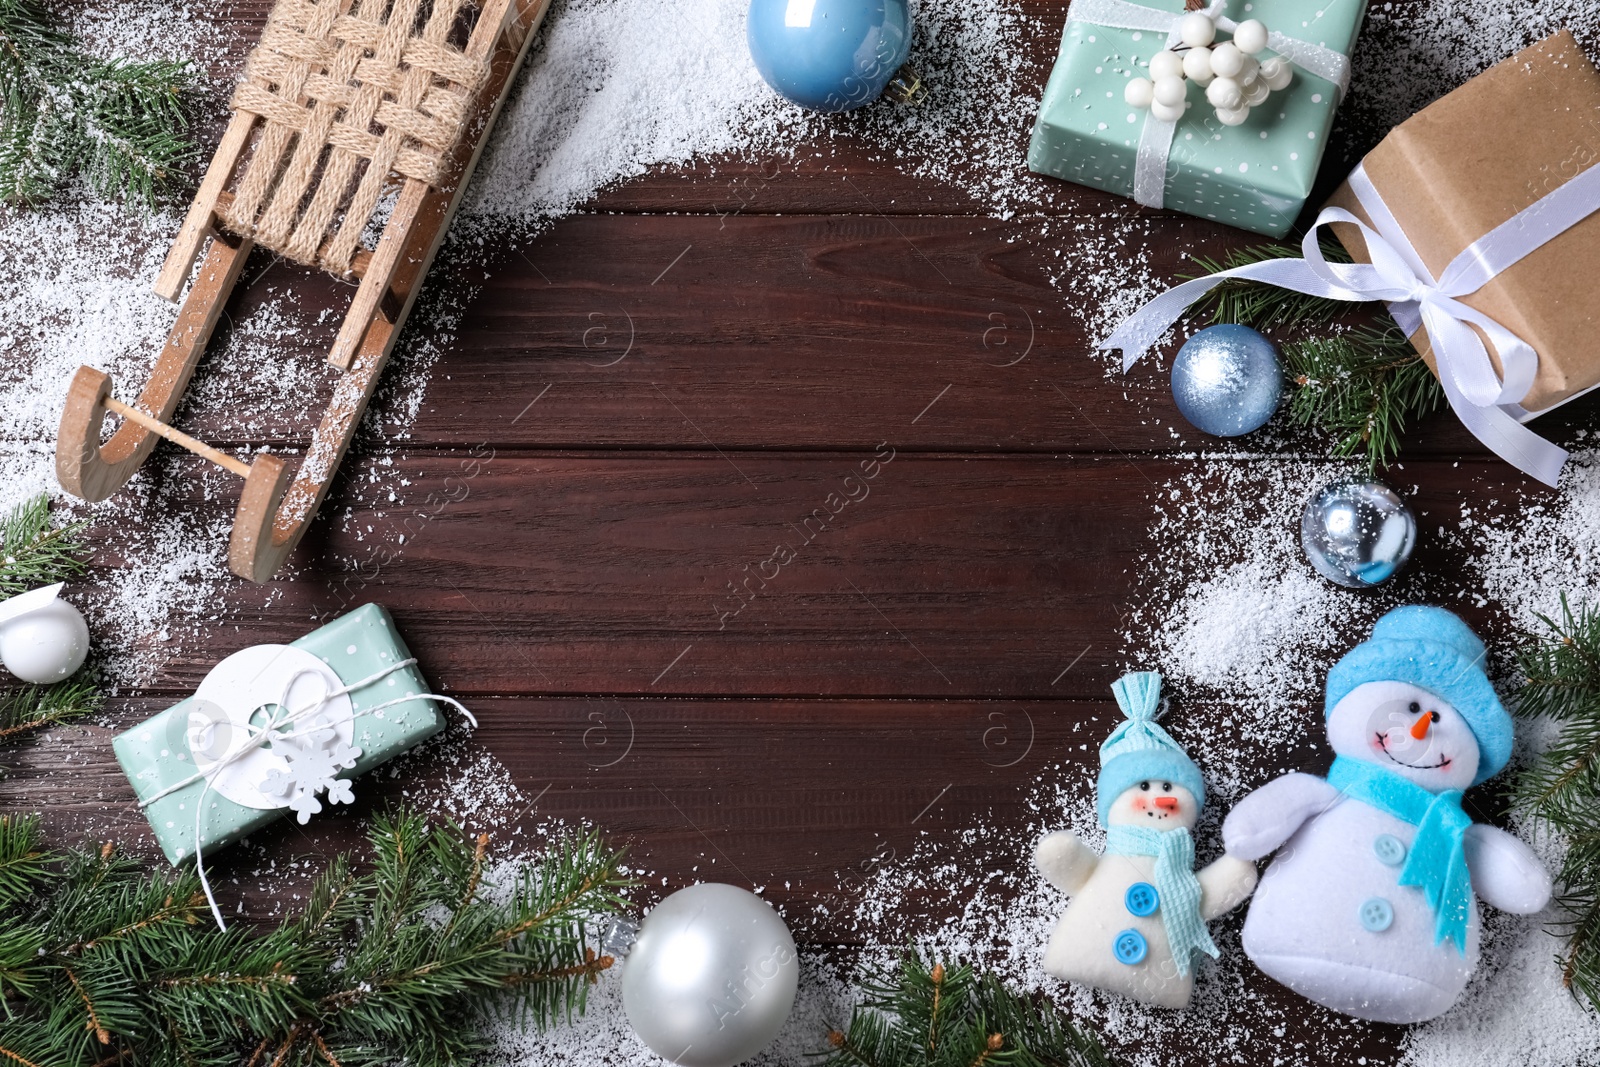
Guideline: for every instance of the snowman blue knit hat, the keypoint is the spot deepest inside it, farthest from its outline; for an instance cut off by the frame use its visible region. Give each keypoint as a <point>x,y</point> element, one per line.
<point>1140,750</point>
<point>1431,649</point>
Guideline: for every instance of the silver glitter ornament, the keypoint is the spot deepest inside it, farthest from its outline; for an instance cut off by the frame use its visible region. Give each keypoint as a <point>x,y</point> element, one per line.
<point>1226,380</point>
<point>711,976</point>
<point>1357,533</point>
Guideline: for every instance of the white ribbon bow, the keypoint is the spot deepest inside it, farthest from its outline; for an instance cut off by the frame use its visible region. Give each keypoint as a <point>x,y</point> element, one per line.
<point>285,723</point>
<point>1155,140</point>
<point>1485,402</point>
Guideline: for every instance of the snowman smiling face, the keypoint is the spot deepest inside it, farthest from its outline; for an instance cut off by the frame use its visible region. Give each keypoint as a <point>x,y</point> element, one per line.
<point>1407,730</point>
<point>1155,804</point>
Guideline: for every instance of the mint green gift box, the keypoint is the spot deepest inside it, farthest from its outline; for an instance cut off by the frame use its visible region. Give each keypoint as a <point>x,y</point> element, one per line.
<point>154,755</point>
<point>1256,176</point>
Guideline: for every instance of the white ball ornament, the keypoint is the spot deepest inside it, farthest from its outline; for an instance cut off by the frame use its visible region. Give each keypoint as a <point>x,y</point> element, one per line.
<point>1247,71</point>
<point>1225,93</point>
<point>711,977</point>
<point>1256,93</point>
<point>1197,65</point>
<point>1250,36</point>
<point>1277,72</point>
<point>1166,64</point>
<point>43,638</point>
<point>1170,91</point>
<point>1197,30</point>
<point>1226,60</point>
<point>1230,116</point>
<point>1139,92</point>
<point>1167,112</point>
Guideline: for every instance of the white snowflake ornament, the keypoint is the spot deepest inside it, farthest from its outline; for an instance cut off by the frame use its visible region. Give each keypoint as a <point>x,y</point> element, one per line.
<point>315,758</point>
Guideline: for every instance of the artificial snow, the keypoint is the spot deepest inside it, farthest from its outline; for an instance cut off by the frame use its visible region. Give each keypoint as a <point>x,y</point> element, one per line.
<point>1226,608</point>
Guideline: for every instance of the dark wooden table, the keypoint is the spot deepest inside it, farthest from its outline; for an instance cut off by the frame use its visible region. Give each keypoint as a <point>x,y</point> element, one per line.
<point>637,406</point>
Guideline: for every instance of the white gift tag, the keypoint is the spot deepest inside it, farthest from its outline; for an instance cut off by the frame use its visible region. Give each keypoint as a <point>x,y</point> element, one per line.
<point>245,689</point>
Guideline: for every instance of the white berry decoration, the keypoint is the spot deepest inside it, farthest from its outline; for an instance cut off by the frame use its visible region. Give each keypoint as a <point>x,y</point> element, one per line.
<point>1197,66</point>
<point>1250,36</point>
<point>1197,30</point>
<point>1234,79</point>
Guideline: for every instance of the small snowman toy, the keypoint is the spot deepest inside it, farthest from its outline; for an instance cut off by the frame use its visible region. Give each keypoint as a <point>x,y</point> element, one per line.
<point>1370,906</point>
<point>1138,913</point>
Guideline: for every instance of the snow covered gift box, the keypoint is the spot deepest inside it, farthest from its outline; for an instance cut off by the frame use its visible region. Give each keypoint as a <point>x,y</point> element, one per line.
<point>273,726</point>
<point>1149,101</point>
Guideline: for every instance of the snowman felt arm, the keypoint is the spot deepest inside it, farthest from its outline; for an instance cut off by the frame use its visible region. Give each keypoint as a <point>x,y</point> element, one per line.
<point>1268,817</point>
<point>1505,872</point>
<point>1224,884</point>
<point>1064,860</point>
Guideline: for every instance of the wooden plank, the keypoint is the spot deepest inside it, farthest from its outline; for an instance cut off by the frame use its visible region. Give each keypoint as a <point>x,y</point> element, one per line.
<point>804,797</point>
<point>950,576</point>
<point>793,332</point>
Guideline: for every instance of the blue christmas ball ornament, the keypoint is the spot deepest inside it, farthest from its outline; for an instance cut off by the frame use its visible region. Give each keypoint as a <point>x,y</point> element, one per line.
<point>1226,380</point>
<point>829,55</point>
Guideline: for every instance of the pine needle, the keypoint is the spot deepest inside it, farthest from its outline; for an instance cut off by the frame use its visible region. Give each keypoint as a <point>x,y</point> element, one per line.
<point>32,551</point>
<point>121,125</point>
<point>917,1015</point>
<point>102,961</point>
<point>1364,387</point>
<point>1560,788</point>
<point>1258,304</point>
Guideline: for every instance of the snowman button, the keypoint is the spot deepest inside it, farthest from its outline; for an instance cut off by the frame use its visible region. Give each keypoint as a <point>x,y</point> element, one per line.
<point>1390,849</point>
<point>1142,899</point>
<point>1130,947</point>
<point>1376,915</point>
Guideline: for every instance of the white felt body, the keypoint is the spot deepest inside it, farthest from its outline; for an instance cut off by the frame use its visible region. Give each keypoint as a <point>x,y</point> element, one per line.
<point>1080,948</point>
<point>1304,927</point>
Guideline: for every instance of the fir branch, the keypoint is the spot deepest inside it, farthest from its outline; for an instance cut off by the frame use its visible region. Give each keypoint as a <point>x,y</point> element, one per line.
<point>37,707</point>
<point>1258,304</point>
<point>121,124</point>
<point>102,960</point>
<point>1363,387</point>
<point>35,552</point>
<point>1560,787</point>
<point>921,1016</point>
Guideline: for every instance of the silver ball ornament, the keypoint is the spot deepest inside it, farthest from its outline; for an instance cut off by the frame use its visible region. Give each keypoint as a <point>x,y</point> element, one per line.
<point>1357,533</point>
<point>43,639</point>
<point>1226,380</point>
<point>712,976</point>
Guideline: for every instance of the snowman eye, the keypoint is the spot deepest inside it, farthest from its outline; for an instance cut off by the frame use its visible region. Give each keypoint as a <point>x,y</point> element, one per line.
<point>1166,787</point>
<point>1145,786</point>
<point>1435,715</point>
<point>1415,707</point>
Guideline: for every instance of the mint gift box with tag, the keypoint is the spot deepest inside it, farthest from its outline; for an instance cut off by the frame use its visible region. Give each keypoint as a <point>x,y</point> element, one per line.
<point>1256,176</point>
<point>155,755</point>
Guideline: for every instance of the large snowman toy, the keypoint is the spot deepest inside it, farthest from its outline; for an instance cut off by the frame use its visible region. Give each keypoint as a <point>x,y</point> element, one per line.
<point>1370,906</point>
<point>1138,913</point>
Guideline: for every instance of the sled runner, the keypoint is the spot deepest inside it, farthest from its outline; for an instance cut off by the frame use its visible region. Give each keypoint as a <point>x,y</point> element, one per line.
<point>347,107</point>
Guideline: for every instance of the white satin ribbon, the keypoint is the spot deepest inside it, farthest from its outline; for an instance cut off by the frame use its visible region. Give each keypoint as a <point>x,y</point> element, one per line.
<point>283,719</point>
<point>1484,401</point>
<point>1155,140</point>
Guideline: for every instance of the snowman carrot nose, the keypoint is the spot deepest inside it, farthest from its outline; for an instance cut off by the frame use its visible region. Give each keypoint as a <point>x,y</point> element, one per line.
<point>1167,803</point>
<point>1419,729</point>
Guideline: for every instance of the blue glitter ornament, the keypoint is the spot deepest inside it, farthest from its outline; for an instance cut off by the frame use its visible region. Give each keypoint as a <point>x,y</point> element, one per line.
<point>829,55</point>
<point>1226,380</point>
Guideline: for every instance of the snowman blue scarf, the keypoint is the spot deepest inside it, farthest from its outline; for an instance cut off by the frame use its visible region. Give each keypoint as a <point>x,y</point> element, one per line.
<point>1176,885</point>
<point>1437,861</point>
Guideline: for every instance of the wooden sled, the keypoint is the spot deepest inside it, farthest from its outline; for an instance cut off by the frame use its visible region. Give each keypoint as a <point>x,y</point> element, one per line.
<point>336,109</point>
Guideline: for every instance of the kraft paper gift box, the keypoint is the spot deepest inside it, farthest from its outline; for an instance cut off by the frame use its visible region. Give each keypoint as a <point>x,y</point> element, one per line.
<point>1256,175</point>
<point>156,754</point>
<point>1473,159</point>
